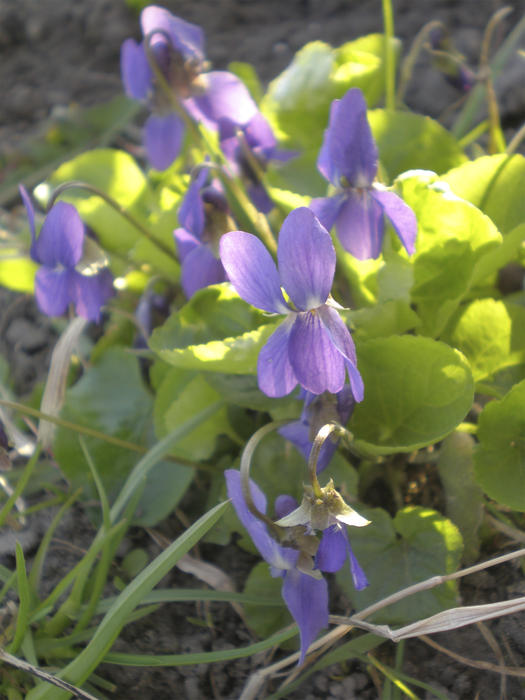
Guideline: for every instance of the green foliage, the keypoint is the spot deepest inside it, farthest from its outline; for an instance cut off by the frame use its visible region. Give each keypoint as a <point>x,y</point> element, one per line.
<point>491,334</point>
<point>16,272</point>
<point>260,584</point>
<point>395,553</point>
<point>417,390</point>
<point>117,175</point>
<point>454,242</point>
<point>499,460</point>
<point>215,331</point>
<point>298,101</point>
<point>464,498</point>
<point>494,184</point>
<point>111,398</point>
<point>409,141</point>
<point>180,395</point>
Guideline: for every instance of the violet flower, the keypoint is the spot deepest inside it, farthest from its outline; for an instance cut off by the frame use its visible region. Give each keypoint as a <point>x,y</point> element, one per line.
<point>178,48</point>
<point>203,216</point>
<point>249,149</point>
<point>348,160</point>
<point>326,510</point>
<point>317,411</point>
<point>312,347</point>
<point>306,596</point>
<point>64,278</point>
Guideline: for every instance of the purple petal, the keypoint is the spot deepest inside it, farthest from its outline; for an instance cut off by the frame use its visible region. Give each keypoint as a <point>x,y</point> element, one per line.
<point>90,292</point>
<point>135,70</point>
<point>260,198</point>
<point>259,135</point>
<point>358,575</point>
<point>61,238</point>
<point>316,361</point>
<point>186,242</point>
<point>342,340</point>
<point>299,435</point>
<point>252,271</point>
<point>163,139</point>
<point>200,268</point>
<point>306,259</point>
<point>277,556</point>
<point>28,204</point>
<point>348,148</point>
<point>284,505</point>
<point>274,371</point>
<point>401,217</point>
<point>52,290</point>
<point>332,550</point>
<point>225,97</point>
<point>191,212</point>
<point>307,600</point>
<point>327,209</point>
<point>345,401</point>
<point>186,37</point>
<point>360,225</point>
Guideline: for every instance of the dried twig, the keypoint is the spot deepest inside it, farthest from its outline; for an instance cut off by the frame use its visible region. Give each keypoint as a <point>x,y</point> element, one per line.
<point>446,620</point>
<point>35,671</point>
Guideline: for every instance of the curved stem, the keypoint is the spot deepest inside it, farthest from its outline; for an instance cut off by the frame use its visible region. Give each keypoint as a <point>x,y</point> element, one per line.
<point>409,62</point>
<point>246,460</point>
<point>320,439</point>
<point>496,142</point>
<point>78,184</point>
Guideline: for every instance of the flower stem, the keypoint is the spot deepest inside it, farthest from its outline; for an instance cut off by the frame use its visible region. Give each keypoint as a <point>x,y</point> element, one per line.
<point>390,62</point>
<point>246,460</point>
<point>78,184</point>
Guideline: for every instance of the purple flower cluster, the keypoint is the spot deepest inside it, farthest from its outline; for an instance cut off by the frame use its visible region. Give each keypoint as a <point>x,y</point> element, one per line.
<point>63,278</point>
<point>203,218</point>
<point>249,149</point>
<point>312,347</point>
<point>304,590</point>
<point>348,160</point>
<point>178,50</point>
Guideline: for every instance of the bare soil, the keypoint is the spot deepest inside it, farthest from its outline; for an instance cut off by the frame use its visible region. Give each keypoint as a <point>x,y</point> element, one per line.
<point>55,53</point>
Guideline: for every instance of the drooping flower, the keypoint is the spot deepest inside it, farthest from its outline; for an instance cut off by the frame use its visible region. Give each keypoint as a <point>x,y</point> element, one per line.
<point>312,347</point>
<point>449,62</point>
<point>66,276</point>
<point>306,596</point>
<point>327,511</point>
<point>249,149</point>
<point>204,217</point>
<point>178,49</point>
<point>349,161</point>
<point>317,411</point>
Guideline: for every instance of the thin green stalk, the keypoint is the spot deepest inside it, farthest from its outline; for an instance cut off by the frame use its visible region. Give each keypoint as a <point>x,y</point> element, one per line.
<point>156,454</point>
<point>205,657</point>
<point>9,583</point>
<point>86,662</point>
<point>78,184</point>
<point>70,577</point>
<point>22,482</point>
<point>91,432</point>
<point>390,59</point>
<point>36,570</point>
<point>24,601</point>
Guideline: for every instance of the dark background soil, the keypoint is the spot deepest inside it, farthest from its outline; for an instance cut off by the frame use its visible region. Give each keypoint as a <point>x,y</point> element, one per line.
<point>55,53</point>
